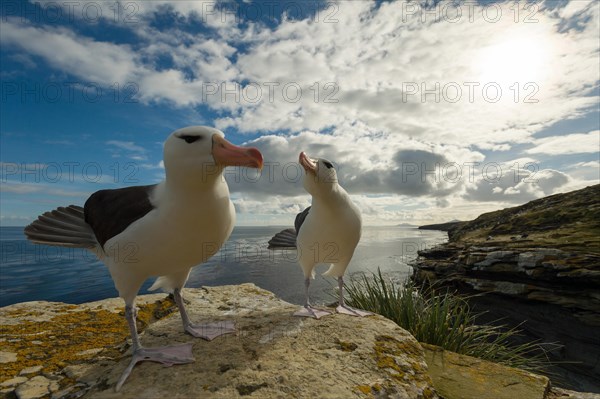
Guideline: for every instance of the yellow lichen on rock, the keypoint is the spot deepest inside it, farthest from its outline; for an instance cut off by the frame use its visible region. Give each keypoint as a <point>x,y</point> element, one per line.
<point>401,361</point>
<point>461,376</point>
<point>365,389</point>
<point>273,354</point>
<point>69,336</point>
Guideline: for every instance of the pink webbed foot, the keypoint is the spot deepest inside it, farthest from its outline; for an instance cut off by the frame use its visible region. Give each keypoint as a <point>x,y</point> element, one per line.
<point>168,356</point>
<point>309,311</point>
<point>344,309</point>
<point>210,331</point>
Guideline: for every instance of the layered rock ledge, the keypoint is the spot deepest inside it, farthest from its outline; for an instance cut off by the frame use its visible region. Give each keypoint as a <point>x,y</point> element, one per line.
<point>566,278</point>
<point>538,267</point>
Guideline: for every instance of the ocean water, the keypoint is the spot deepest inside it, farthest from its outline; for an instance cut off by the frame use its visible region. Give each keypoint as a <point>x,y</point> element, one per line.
<point>31,272</point>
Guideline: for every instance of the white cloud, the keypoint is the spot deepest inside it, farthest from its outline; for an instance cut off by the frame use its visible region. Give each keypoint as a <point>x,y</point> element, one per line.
<point>19,188</point>
<point>517,186</point>
<point>160,165</point>
<point>584,174</point>
<point>364,165</point>
<point>575,7</point>
<point>591,164</point>
<point>31,188</point>
<point>577,143</point>
<point>374,63</point>
<point>134,151</point>
<point>378,60</point>
<point>98,62</point>
<point>494,147</point>
<point>376,73</point>
<point>13,220</point>
<point>126,145</point>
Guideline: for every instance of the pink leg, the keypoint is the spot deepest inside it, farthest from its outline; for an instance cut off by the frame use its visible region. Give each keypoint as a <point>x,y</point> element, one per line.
<point>168,355</point>
<point>345,309</point>
<point>208,331</point>
<point>307,310</point>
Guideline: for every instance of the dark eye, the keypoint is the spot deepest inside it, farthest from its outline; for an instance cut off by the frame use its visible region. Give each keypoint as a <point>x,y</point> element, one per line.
<point>328,164</point>
<point>190,139</point>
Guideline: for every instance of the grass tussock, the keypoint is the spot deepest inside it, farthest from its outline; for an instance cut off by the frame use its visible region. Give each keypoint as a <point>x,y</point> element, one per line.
<point>443,319</point>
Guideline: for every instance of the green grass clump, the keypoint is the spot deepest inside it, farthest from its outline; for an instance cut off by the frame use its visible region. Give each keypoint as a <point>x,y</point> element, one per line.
<point>444,319</point>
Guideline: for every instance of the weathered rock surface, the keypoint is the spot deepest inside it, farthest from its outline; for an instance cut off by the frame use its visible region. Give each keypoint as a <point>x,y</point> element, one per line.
<point>8,357</point>
<point>559,393</point>
<point>539,263</point>
<point>568,279</point>
<point>272,355</point>
<point>276,355</point>
<point>37,387</point>
<point>466,377</point>
<point>44,338</point>
<point>458,376</point>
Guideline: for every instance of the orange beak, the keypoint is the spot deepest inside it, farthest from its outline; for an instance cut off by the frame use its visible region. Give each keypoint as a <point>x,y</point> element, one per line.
<point>307,163</point>
<point>227,154</point>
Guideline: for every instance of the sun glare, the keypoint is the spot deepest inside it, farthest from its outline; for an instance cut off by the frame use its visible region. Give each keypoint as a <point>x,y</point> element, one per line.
<point>510,61</point>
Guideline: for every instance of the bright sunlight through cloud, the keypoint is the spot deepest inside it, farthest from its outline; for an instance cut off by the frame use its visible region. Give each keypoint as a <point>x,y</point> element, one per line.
<point>514,60</point>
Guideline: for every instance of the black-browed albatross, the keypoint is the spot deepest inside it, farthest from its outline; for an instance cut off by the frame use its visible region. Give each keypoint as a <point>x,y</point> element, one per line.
<point>327,232</point>
<point>158,230</point>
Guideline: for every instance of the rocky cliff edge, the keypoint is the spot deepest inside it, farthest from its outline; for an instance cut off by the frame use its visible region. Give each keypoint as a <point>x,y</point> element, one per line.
<point>55,350</point>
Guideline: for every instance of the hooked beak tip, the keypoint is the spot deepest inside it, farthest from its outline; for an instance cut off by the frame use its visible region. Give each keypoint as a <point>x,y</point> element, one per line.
<point>307,163</point>
<point>256,155</point>
<point>228,154</point>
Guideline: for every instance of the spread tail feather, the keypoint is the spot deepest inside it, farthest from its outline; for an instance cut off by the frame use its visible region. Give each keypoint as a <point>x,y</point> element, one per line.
<point>160,283</point>
<point>335,270</point>
<point>284,239</point>
<point>63,227</point>
<point>170,282</point>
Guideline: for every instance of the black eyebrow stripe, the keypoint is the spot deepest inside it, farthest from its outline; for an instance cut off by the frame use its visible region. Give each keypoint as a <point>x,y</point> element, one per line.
<point>189,138</point>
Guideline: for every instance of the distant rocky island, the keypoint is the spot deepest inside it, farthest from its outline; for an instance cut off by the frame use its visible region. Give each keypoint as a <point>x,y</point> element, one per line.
<point>536,266</point>
<point>443,226</point>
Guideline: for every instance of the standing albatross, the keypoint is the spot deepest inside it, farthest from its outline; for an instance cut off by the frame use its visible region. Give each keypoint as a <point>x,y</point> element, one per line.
<point>327,232</point>
<point>159,230</point>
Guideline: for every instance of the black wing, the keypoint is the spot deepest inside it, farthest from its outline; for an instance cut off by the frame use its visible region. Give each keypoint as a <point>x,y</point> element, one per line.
<point>109,212</point>
<point>300,219</point>
<point>63,227</point>
<point>287,238</point>
<point>284,239</point>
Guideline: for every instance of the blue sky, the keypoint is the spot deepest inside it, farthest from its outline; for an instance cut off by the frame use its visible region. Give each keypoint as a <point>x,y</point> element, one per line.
<point>431,113</point>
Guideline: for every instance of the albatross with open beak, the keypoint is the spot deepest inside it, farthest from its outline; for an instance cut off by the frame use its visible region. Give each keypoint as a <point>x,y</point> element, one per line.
<point>159,230</point>
<point>327,231</point>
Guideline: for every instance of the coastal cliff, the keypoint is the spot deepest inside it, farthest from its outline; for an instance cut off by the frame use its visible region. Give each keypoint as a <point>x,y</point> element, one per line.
<point>537,266</point>
<point>66,351</point>
<point>56,350</point>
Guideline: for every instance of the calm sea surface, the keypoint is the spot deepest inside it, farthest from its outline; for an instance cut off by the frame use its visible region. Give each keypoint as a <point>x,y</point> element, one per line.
<point>31,272</point>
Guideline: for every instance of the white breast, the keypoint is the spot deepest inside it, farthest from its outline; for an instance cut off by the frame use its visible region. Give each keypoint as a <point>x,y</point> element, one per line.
<point>182,232</point>
<point>330,232</point>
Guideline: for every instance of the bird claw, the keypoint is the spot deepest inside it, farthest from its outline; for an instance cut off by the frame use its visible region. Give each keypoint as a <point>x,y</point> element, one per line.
<point>352,311</point>
<point>210,331</point>
<point>167,355</point>
<point>309,311</point>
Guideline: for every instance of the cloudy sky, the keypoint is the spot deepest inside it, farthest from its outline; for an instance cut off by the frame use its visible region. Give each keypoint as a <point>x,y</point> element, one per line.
<point>430,111</point>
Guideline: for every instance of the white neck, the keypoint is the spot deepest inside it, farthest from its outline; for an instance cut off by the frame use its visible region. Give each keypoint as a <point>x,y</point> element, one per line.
<point>195,184</point>
<point>330,198</point>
